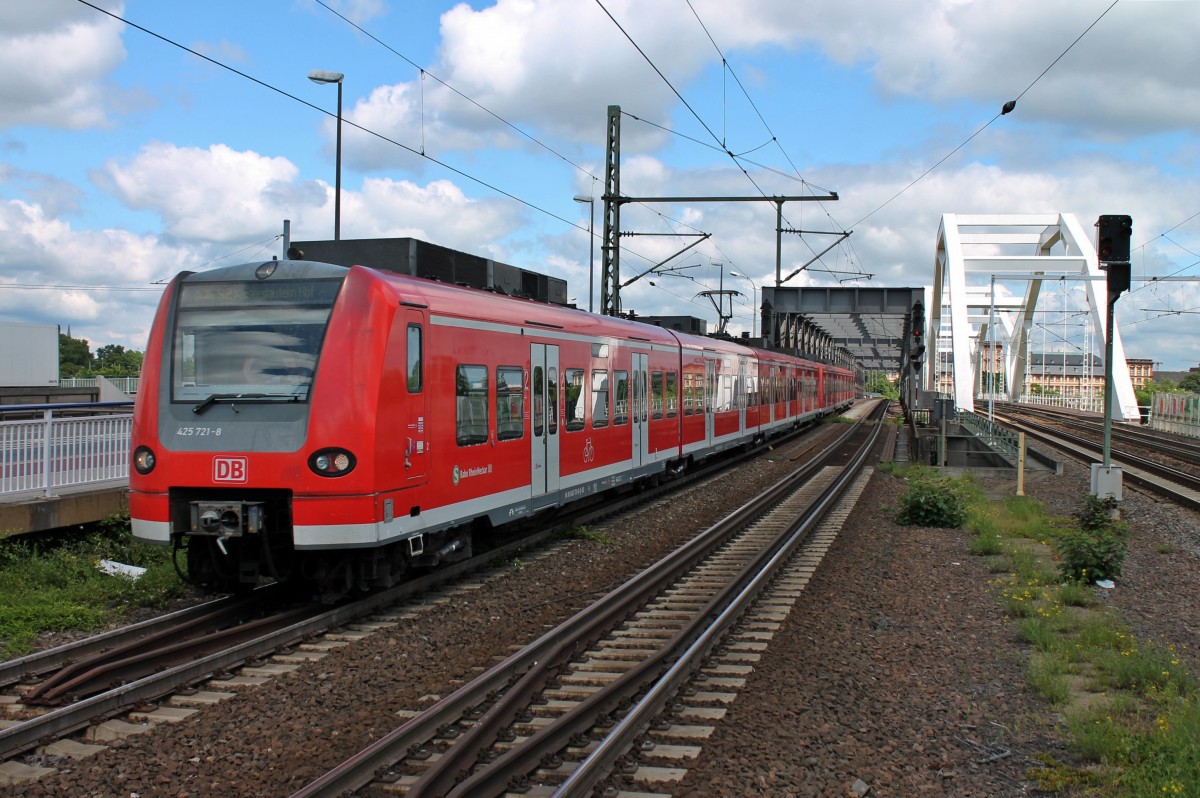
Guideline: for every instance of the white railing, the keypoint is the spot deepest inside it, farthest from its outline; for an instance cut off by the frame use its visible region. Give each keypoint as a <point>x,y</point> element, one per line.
<point>1176,412</point>
<point>51,453</point>
<point>127,385</point>
<point>1093,404</point>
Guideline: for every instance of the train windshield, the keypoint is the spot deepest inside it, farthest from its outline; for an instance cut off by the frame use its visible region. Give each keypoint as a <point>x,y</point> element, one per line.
<point>241,338</point>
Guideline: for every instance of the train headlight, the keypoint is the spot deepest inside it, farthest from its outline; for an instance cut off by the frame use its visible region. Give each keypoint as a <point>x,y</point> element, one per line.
<point>331,462</point>
<point>143,460</point>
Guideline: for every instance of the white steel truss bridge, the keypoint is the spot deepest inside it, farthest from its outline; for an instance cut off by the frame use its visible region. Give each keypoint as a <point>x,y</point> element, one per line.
<point>987,332</point>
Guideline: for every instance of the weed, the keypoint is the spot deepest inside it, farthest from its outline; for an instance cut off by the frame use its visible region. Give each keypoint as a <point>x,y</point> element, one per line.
<point>1076,594</point>
<point>583,533</point>
<point>934,501</point>
<point>1047,677</point>
<point>985,544</point>
<point>51,583</point>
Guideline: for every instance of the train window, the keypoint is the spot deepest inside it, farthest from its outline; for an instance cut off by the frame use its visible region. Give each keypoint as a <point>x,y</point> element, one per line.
<point>552,398</point>
<point>725,395</point>
<point>599,398</point>
<point>539,401</point>
<point>510,403</point>
<point>671,398</point>
<point>621,408</point>
<point>238,338</point>
<point>415,377</point>
<point>656,394</point>
<point>471,392</point>
<point>574,401</point>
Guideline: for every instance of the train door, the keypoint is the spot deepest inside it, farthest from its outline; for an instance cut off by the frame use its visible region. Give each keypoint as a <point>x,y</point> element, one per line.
<point>773,382</point>
<point>740,392</point>
<point>543,414</point>
<point>710,398</point>
<point>637,414</point>
<point>416,425</point>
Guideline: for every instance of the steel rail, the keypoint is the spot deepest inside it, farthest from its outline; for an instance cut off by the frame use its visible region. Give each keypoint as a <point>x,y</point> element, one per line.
<point>52,659</point>
<point>554,647</point>
<point>1174,484</point>
<point>582,781</point>
<point>1186,450</point>
<point>64,720</point>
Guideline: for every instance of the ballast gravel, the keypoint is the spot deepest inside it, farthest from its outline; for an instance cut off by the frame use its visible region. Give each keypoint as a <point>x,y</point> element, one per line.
<point>896,674</point>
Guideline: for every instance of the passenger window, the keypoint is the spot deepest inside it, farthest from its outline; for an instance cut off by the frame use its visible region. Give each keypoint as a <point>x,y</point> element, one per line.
<point>510,403</point>
<point>599,398</point>
<point>656,394</point>
<point>415,377</point>
<point>471,391</point>
<point>574,398</point>
<point>671,399</point>
<point>621,408</point>
<point>539,402</point>
<point>552,398</point>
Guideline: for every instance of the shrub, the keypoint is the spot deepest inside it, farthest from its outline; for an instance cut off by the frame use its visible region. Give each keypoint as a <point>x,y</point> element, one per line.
<point>933,501</point>
<point>1098,547</point>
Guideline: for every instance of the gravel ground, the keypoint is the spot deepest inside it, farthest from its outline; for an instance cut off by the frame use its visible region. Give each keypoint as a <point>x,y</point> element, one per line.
<point>896,670</point>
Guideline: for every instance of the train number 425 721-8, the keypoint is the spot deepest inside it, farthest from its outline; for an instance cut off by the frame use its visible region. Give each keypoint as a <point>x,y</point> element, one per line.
<point>197,432</point>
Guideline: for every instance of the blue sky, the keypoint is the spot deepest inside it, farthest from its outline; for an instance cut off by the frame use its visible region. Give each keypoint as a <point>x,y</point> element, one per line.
<point>124,159</point>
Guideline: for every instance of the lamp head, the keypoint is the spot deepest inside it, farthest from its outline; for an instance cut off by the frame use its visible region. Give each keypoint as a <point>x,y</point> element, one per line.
<point>322,76</point>
<point>584,198</point>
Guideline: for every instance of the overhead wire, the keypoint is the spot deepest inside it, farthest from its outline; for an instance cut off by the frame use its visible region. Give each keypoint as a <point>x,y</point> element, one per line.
<point>426,73</point>
<point>1008,107</point>
<point>478,181</point>
<point>721,145</point>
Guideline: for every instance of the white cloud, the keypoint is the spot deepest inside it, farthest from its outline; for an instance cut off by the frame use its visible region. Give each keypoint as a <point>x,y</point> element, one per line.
<point>213,194</point>
<point>63,52</point>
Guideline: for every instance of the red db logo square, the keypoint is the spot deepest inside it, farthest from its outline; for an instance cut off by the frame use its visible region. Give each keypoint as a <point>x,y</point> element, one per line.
<point>229,469</point>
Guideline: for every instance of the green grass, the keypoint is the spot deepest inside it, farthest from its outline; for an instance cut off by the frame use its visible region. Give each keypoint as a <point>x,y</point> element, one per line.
<point>1140,736</point>
<point>51,583</point>
<point>583,533</point>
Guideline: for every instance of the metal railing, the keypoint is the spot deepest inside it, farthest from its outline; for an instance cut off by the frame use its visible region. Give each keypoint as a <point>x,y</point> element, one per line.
<point>48,448</point>
<point>1003,442</point>
<point>127,385</point>
<point>1093,404</point>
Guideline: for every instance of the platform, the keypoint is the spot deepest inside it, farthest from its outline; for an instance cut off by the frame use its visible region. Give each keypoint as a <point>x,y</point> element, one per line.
<point>22,513</point>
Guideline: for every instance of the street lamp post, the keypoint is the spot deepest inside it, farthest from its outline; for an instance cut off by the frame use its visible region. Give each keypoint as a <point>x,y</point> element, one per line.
<point>321,76</point>
<point>753,302</point>
<point>591,201</point>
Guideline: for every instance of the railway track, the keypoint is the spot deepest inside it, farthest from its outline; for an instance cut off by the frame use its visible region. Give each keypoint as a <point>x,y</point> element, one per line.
<point>562,715</point>
<point>149,669</point>
<point>1178,484</point>
<point>1175,446</point>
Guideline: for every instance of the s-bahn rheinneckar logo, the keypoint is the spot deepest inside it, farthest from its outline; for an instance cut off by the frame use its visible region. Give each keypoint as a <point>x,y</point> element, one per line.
<point>463,473</point>
<point>230,469</point>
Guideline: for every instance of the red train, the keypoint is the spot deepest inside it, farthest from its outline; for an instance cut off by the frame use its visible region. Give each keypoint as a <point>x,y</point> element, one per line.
<point>341,425</point>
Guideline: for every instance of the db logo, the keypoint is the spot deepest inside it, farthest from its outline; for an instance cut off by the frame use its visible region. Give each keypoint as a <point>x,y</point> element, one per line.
<point>229,469</point>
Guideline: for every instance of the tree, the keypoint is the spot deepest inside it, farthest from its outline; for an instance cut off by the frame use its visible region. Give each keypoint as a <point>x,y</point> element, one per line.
<point>75,359</point>
<point>114,360</point>
<point>1191,382</point>
<point>74,356</point>
<point>878,382</point>
<point>1145,394</point>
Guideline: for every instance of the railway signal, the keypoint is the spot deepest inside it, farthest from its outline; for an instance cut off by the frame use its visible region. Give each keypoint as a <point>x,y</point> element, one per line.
<point>1112,252</point>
